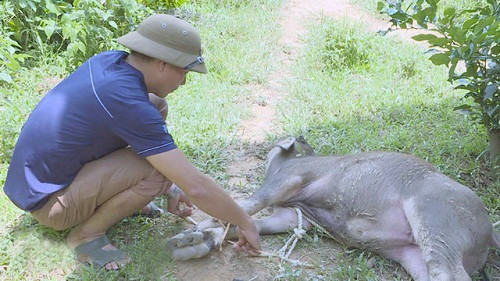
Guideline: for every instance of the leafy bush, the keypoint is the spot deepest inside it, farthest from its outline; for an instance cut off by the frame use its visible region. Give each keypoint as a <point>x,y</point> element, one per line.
<point>470,36</point>
<point>344,49</point>
<point>70,29</point>
<point>165,4</point>
<point>10,58</point>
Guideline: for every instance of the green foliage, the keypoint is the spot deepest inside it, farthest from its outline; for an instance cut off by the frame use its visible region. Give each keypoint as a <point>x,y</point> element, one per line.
<point>400,102</point>
<point>469,36</point>
<point>74,30</point>
<point>356,267</point>
<point>10,58</point>
<point>344,48</point>
<point>165,4</point>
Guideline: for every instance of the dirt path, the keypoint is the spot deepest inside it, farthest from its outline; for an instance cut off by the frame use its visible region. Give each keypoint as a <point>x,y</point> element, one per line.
<point>295,15</point>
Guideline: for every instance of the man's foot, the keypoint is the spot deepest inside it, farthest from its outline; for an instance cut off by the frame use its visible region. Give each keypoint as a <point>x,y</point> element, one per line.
<point>101,253</point>
<point>151,210</point>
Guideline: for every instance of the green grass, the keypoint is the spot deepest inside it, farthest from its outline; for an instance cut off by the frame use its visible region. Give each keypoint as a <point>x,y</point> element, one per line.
<point>203,116</point>
<point>353,91</point>
<point>396,101</point>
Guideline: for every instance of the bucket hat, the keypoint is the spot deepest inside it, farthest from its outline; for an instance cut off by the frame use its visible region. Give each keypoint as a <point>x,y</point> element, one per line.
<point>168,39</point>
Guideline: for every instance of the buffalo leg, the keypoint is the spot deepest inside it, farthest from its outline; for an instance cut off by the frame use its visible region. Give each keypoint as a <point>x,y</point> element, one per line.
<point>206,236</point>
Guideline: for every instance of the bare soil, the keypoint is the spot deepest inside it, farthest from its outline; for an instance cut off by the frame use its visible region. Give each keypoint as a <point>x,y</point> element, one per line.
<point>227,264</point>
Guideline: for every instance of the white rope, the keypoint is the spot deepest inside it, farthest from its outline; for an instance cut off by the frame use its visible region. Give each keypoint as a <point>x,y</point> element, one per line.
<point>320,228</point>
<point>298,233</point>
<point>323,230</point>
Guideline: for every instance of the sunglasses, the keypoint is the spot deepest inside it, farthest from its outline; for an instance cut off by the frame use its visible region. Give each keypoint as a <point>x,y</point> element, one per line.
<point>199,60</point>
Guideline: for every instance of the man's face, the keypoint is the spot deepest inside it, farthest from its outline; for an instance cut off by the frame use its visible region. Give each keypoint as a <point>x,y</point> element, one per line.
<point>170,78</point>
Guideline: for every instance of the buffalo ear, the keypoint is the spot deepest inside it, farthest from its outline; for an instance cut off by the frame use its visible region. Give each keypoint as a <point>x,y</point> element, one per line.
<point>302,146</point>
<point>287,143</point>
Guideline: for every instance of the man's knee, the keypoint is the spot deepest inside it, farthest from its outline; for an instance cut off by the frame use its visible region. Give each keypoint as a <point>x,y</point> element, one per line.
<point>153,185</point>
<point>160,104</point>
<point>54,216</point>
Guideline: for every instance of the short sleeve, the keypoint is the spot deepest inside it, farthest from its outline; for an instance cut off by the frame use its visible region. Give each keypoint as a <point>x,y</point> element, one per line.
<point>140,125</point>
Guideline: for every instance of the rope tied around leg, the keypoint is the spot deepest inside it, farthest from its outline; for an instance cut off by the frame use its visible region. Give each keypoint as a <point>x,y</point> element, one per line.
<point>283,254</point>
<point>298,233</point>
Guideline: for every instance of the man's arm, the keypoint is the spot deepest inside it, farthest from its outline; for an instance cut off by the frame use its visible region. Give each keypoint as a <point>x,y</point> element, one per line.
<point>205,193</point>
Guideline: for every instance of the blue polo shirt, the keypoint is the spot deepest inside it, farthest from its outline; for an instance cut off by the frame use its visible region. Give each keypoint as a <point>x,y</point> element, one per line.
<point>102,107</point>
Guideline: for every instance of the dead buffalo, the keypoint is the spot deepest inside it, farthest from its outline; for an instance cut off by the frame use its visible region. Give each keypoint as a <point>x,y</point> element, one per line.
<point>393,204</point>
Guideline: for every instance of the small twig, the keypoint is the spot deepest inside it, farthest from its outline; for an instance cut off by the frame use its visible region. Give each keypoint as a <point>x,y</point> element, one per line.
<point>190,220</point>
<point>224,236</point>
<point>292,261</point>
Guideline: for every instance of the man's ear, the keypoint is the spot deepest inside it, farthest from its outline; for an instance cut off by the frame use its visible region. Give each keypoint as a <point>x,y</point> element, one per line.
<point>161,65</point>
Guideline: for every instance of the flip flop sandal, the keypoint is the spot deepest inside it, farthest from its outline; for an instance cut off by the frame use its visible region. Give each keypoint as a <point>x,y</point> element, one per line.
<point>155,211</point>
<point>98,256</point>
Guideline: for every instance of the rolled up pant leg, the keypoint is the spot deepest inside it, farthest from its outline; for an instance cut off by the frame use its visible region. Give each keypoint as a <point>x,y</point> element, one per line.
<point>98,181</point>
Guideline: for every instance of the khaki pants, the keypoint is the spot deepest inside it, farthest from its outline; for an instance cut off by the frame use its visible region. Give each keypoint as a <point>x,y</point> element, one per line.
<point>100,180</point>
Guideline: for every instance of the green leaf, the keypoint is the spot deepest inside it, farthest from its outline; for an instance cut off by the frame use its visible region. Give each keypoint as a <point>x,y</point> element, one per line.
<point>380,5</point>
<point>422,37</point>
<point>458,35</point>
<point>492,111</point>
<point>113,24</point>
<point>421,19</point>
<point>441,42</point>
<point>449,12</point>
<point>463,106</point>
<point>464,109</point>
<point>468,23</point>
<point>472,69</point>
<point>5,77</point>
<point>451,71</point>
<point>81,47</point>
<point>49,29</point>
<point>32,5</point>
<point>13,64</point>
<point>483,23</point>
<point>439,59</point>
<point>432,2</point>
<point>485,11</point>
<point>51,7</point>
<point>479,39</point>
<point>490,91</point>
<point>495,50</point>
<point>391,11</point>
<point>72,48</point>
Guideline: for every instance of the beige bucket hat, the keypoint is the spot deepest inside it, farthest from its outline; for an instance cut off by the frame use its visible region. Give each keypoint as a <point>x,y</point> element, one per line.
<point>169,39</point>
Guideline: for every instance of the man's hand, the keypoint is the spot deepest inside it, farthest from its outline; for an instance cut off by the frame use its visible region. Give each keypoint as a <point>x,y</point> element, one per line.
<point>248,241</point>
<point>175,198</point>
